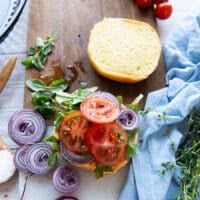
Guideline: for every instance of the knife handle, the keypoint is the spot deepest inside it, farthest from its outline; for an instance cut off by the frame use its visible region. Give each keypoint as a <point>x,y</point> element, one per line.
<point>6,72</point>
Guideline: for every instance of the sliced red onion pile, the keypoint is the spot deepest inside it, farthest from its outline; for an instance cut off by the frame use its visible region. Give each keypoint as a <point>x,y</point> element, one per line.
<point>66,179</point>
<point>128,119</point>
<point>26,127</point>
<point>36,158</point>
<point>66,198</point>
<point>19,158</point>
<point>74,158</point>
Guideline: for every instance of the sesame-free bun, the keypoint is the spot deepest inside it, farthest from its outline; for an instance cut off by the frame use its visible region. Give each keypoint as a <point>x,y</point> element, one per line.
<point>124,50</point>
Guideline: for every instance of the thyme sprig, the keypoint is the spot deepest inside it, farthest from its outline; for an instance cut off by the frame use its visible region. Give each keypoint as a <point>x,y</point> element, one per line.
<point>188,158</point>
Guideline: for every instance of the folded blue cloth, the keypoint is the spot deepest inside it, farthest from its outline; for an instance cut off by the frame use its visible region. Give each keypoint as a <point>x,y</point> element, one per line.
<point>182,59</point>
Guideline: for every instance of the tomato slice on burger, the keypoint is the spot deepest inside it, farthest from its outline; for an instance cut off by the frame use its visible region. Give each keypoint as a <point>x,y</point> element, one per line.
<point>107,143</point>
<point>99,109</point>
<point>71,131</point>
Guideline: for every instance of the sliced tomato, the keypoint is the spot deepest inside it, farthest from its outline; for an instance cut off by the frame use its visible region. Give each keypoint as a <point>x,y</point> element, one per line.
<point>99,109</point>
<point>72,130</point>
<point>107,143</point>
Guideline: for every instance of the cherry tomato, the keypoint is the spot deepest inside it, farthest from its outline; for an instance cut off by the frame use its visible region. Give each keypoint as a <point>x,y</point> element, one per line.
<point>144,3</point>
<point>107,143</point>
<point>163,10</point>
<point>159,1</point>
<point>99,109</point>
<point>71,131</point>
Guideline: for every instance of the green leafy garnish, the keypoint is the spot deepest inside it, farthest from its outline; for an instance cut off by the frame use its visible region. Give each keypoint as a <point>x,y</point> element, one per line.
<point>167,166</point>
<point>55,148</point>
<point>145,112</point>
<point>132,149</point>
<point>75,97</point>
<point>36,85</point>
<point>52,159</point>
<point>134,107</point>
<point>120,99</point>
<point>100,169</point>
<point>51,138</point>
<point>43,95</point>
<point>38,55</point>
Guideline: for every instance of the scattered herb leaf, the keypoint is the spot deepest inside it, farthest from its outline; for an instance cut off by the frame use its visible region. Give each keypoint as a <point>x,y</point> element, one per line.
<point>37,55</point>
<point>132,149</point>
<point>52,159</point>
<point>100,169</point>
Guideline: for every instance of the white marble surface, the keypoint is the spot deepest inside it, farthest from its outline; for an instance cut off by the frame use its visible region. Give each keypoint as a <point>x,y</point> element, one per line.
<point>11,99</point>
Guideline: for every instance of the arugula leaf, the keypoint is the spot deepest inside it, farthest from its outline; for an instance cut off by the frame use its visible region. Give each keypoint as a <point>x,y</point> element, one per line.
<point>36,85</point>
<point>134,107</point>
<point>132,149</point>
<point>28,62</point>
<point>58,119</point>
<point>76,97</point>
<point>45,109</point>
<point>31,51</point>
<point>43,95</point>
<point>51,138</point>
<point>52,159</point>
<point>120,99</point>
<point>100,169</point>
<point>39,42</point>
<point>58,85</point>
<point>37,55</point>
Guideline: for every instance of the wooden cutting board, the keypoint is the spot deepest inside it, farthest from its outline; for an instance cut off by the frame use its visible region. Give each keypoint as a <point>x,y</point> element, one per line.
<point>71,21</point>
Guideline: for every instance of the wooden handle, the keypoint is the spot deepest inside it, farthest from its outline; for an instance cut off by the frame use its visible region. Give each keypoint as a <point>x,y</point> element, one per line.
<point>6,72</point>
<point>3,145</point>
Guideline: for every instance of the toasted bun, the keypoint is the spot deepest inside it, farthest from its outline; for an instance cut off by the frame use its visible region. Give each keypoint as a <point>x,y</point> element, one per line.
<point>124,50</point>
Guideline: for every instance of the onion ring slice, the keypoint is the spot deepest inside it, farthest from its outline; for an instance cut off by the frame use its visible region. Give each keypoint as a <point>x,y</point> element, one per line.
<point>36,158</point>
<point>66,179</point>
<point>26,127</point>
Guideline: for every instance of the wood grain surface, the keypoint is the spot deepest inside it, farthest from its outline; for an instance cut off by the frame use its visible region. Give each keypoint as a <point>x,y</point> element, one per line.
<point>72,21</point>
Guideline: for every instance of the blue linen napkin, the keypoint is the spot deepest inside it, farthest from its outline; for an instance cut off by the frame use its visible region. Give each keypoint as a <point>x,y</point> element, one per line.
<point>182,59</point>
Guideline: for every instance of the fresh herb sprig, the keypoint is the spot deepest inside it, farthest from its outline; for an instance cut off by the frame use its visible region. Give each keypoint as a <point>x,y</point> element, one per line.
<point>55,148</point>
<point>51,99</point>
<point>43,95</point>
<point>100,169</point>
<point>188,158</point>
<point>132,149</point>
<point>38,55</point>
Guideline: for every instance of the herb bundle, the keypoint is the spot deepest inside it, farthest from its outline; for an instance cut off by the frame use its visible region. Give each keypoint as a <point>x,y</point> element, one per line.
<point>50,100</point>
<point>188,158</point>
<point>37,55</point>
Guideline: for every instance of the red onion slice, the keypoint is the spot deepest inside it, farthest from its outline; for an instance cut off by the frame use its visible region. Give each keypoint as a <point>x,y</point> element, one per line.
<point>106,95</point>
<point>26,127</point>
<point>66,179</point>
<point>66,198</point>
<point>36,158</point>
<point>74,158</point>
<point>128,119</point>
<point>19,158</point>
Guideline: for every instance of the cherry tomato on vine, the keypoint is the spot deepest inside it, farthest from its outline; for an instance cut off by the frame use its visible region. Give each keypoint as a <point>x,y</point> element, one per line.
<point>144,3</point>
<point>163,10</point>
<point>159,1</point>
<point>107,143</point>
